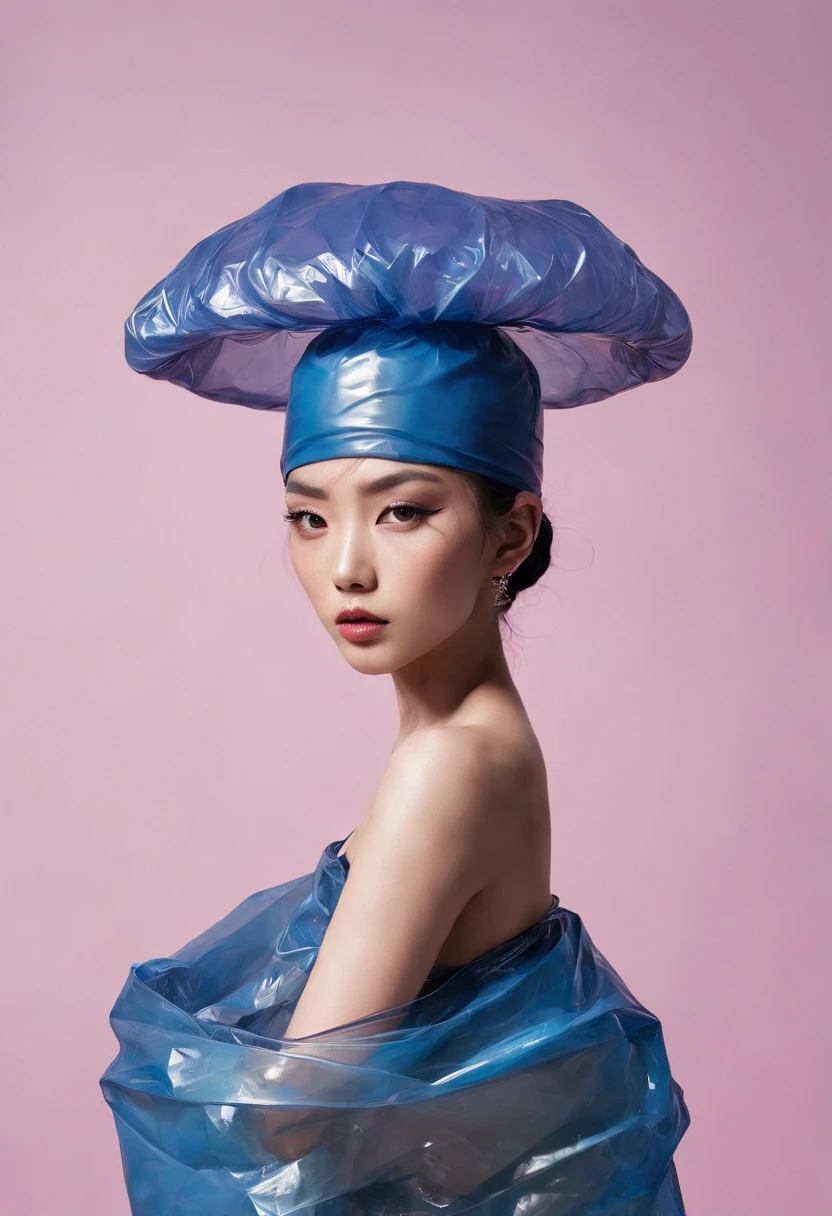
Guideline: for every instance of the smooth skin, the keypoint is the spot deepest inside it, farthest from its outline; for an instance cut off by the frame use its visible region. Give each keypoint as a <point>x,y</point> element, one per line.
<point>453,855</point>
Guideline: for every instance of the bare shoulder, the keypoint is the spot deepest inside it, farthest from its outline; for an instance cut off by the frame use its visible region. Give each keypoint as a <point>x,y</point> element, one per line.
<point>470,749</point>
<point>444,794</point>
<point>454,764</point>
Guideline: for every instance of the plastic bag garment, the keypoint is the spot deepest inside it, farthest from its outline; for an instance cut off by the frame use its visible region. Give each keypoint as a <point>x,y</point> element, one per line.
<point>527,1082</point>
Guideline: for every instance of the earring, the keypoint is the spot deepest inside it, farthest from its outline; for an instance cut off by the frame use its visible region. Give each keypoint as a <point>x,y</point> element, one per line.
<point>502,597</point>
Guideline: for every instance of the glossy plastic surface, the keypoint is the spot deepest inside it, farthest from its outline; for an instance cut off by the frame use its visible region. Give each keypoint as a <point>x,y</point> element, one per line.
<point>234,316</point>
<point>527,1082</point>
<point>447,393</point>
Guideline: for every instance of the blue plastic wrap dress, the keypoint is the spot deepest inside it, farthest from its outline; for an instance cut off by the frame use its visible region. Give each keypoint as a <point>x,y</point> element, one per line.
<point>528,1081</point>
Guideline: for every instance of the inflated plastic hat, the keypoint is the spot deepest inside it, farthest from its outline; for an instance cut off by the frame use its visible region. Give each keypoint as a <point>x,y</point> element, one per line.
<point>411,322</point>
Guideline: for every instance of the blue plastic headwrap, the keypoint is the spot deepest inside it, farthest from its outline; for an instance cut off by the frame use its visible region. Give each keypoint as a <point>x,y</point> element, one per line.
<point>448,393</point>
<point>234,316</point>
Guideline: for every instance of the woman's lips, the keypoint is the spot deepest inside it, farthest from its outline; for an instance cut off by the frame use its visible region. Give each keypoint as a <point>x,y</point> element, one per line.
<point>359,631</point>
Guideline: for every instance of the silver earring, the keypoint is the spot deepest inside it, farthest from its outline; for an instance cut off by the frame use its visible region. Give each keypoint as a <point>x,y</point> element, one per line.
<point>502,597</point>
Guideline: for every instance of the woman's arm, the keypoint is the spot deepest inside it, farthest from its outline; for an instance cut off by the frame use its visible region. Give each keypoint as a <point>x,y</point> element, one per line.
<point>423,855</point>
<point>418,865</point>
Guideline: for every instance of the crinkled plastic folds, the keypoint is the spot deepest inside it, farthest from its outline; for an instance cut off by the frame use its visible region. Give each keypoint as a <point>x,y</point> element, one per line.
<point>527,1082</point>
<point>233,317</point>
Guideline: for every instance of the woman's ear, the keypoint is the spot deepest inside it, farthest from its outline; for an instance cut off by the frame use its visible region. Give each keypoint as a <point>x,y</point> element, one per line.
<point>519,532</point>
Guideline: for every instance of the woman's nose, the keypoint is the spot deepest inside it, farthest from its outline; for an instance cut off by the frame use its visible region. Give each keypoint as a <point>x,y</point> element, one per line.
<point>353,568</point>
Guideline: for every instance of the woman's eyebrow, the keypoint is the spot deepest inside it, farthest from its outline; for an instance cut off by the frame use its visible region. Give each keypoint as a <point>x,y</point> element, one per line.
<point>387,482</point>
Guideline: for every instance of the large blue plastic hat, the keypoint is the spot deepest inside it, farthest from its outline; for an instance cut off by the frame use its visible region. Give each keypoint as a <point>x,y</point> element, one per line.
<point>410,322</point>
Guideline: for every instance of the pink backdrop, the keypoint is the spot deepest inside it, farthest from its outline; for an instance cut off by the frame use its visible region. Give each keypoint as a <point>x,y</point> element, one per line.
<point>179,732</point>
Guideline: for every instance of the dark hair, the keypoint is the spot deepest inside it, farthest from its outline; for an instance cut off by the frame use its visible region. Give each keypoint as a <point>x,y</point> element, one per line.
<point>494,499</point>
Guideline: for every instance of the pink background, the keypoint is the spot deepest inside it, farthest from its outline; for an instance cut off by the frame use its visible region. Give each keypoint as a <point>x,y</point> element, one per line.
<point>178,730</point>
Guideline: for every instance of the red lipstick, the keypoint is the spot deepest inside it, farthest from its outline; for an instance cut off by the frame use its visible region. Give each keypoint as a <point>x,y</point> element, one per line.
<point>357,624</point>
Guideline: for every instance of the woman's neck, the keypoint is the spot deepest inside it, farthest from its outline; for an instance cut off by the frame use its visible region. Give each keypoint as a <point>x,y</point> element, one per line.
<point>443,686</point>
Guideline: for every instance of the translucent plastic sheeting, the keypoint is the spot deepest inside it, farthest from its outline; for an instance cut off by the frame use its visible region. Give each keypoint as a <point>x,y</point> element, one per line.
<point>232,318</point>
<point>527,1082</point>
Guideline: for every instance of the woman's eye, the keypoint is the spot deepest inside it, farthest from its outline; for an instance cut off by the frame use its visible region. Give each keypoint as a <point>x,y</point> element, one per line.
<point>300,516</point>
<point>408,512</point>
<point>405,508</point>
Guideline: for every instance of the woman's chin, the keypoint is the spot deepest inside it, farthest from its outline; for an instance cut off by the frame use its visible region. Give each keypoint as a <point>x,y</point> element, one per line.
<point>371,663</point>
<point>379,657</point>
<point>372,657</point>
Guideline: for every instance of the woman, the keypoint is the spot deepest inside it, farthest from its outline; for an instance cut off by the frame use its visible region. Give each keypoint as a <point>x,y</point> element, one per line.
<point>416,1024</point>
<point>453,855</point>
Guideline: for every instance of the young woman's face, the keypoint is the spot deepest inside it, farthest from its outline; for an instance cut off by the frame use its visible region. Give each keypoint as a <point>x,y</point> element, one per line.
<point>397,540</point>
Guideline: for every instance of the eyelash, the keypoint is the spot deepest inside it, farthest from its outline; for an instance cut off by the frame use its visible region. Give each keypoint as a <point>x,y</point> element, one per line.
<point>293,516</point>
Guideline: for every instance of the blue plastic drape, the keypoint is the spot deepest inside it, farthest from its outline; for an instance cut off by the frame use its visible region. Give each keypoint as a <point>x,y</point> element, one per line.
<point>527,1082</point>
